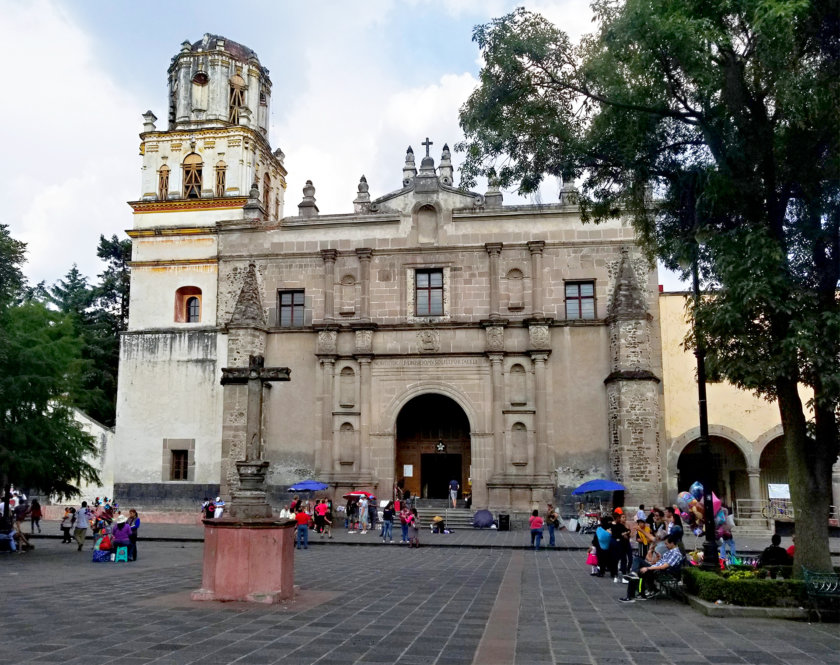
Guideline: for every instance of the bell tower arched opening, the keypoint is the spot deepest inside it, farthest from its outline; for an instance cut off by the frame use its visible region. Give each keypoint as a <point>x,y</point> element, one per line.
<point>432,446</point>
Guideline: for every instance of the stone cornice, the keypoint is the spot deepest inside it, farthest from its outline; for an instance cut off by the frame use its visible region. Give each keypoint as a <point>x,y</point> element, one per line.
<point>632,375</point>
<point>185,205</point>
<point>171,231</point>
<point>166,263</point>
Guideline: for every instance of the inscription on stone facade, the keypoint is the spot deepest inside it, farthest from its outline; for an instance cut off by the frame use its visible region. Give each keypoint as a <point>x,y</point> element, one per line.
<point>428,362</point>
<point>428,341</point>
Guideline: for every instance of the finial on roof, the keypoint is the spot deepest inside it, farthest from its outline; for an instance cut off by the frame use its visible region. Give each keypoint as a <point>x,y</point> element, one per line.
<point>628,301</point>
<point>568,193</point>
<point>493,198</point>
<point>362,202</point>
<point>307,207</point>
<point>446,172</point>
<point>409,171</point>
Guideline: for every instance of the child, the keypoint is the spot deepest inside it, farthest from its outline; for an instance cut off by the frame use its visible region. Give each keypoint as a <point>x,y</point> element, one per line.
<point>592,561</point>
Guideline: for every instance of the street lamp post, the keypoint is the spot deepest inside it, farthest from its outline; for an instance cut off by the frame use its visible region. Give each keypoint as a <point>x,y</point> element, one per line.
<point>710,549</point>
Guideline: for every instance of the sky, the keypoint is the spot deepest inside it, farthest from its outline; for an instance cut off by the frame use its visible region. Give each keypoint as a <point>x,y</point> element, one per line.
<point>354,84</point>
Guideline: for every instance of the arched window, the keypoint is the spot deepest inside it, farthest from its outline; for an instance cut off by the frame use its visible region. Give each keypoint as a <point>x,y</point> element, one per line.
<point>188,305</point>
<point>266,191</point>
<point>347,387</point>
<point>346,444</point>
<point>192,176</point>
<point>193,309</point>
<point>519,444</point>
<point>163,183</point>
<point>221,176</point>
<point>200,91</point>
<point>516,290</point>
<point>518,396</point>
<point>237,98</point>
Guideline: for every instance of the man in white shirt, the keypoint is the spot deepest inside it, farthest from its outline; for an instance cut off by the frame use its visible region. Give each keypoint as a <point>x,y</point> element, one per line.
<point>364,517</point>
<point>82,523</point>
<point>640,513</point>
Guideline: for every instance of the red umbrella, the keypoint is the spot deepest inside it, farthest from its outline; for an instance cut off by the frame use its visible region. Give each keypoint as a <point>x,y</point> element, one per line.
<point>358,494</point>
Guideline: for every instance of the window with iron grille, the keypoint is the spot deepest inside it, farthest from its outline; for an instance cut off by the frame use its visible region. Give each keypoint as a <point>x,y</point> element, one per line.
<point>290,306</point>
<point>428,285</point>
<point>580,300</point>
<point>179,465</point>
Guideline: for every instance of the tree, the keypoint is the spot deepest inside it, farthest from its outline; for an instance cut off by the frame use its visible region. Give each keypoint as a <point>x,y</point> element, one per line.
<point>40,443</point>
<point>726,110</point>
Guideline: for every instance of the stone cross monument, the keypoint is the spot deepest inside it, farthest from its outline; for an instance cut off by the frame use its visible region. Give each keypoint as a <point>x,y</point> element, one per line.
<point>248,500</point>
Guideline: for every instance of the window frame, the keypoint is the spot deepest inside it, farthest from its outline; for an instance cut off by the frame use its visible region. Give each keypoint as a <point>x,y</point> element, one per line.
<point>188,313</point>
<point>429,290</point>
<point>221,179</point>
<point>293,321</point>
<point>163,182</point>
<point>179,464</point>
<point>192,176</point>
<point>579,299</point>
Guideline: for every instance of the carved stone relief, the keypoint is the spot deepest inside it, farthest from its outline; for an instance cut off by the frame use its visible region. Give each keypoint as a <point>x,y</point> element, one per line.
<point>326,341</point>
<point>364,341</point>
<point>495,338</point>
<point>539,337</point>
<point>428,341</point>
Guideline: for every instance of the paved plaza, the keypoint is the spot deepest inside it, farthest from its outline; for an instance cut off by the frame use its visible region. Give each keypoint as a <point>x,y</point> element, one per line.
<point>378,604</point>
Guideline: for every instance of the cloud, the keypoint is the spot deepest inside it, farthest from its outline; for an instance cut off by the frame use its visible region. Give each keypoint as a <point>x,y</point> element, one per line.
<point>69,167</point>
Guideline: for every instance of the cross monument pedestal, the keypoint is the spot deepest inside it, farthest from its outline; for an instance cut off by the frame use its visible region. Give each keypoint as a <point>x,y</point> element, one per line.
<point>248,554</point>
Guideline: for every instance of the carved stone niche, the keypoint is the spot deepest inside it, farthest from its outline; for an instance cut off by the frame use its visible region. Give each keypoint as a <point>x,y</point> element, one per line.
<point>495,338</point>
<point>364,341</point>
<point>327,341</point>
<point>428,341</point>
<point>539,337</point>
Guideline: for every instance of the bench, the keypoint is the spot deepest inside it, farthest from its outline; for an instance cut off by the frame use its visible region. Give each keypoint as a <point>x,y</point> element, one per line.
<point>671,585</point>
<point>823,589</point>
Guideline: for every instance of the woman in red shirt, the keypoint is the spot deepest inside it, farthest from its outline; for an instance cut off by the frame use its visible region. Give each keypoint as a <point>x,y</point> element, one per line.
<point>536,524</point>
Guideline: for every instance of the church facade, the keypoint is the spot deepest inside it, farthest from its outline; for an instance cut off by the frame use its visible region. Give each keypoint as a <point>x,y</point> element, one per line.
<point>432,333</point>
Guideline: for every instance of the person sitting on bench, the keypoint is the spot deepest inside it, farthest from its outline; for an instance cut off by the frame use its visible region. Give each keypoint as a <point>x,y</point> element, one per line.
<point>671,562</point>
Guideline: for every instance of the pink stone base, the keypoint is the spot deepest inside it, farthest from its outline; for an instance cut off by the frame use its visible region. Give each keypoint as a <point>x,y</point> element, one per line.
<point>248,560</point>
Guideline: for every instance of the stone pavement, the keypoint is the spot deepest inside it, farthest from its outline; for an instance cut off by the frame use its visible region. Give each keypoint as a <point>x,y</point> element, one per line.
<point>385,604</point>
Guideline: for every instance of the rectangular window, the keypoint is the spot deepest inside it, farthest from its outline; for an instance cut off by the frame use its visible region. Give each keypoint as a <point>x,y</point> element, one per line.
<point>179,465</point>
<point>291,308</point>
<point>428,285</point>
<point>580,300</point>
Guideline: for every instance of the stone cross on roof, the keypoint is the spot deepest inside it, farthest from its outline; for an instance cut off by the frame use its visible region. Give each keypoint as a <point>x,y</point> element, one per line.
<point>427,143</point>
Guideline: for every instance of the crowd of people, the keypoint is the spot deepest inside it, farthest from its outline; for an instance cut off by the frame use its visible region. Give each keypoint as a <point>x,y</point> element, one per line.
<point>109,527</point>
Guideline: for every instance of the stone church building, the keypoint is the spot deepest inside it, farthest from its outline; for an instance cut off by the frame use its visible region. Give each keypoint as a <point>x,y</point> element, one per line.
<point>432,333</point>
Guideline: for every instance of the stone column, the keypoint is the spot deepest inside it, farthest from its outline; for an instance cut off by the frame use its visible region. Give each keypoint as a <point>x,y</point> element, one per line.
<point>540,467</point>
<point>494,249</point>
<point>364,417</point>
<point>835,489</point>
<point>498,414</point>
<point>364,254</point>
<point>754,476</point>
<point>329,447</point>
<point>536,248</point>
<point>329,256</point>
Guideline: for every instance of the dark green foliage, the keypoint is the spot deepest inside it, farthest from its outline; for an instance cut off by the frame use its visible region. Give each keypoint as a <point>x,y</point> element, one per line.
<point>745,591</point>
<point>714,127</point>
<point>41,446</point>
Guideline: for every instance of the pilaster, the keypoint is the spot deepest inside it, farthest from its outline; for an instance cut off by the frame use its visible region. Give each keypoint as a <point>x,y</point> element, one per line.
<point>364,254</point>
<point>536,248</point>
<point>494,250</point>
<point>329,256</point>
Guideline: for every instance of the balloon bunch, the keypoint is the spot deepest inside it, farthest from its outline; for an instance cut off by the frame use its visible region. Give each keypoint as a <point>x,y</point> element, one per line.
<point>692,509</point>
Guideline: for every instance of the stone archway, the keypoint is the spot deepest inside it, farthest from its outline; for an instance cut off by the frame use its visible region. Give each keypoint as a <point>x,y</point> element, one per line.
<point>432,445</point>
<point>772,465</point>
<point>729,469</point>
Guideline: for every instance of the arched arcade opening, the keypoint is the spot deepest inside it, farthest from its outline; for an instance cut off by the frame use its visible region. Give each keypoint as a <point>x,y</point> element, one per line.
<point>729,469</point>
<point>432,446</point>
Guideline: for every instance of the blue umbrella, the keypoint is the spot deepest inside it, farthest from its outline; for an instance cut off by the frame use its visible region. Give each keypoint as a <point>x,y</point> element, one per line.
<point>598,486</point>
<point>308,486</point>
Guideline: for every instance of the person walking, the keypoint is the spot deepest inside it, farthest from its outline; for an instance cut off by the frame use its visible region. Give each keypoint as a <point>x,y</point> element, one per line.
<point>388,523</point>
<point>134,523</point>
<point>536,525</point>
<point>35,515</point>
<point>454,486</point>
<point>404,513</point>
<point>83,516</point>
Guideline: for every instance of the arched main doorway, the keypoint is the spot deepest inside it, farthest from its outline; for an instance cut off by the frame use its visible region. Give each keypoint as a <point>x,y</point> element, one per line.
<point>729,469</point>
<point>433,446</point>
<point>773,465</point>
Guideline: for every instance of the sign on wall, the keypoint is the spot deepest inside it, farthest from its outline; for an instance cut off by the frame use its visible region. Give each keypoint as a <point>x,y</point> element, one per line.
<point>408,470</point>
<point>778,491</point>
